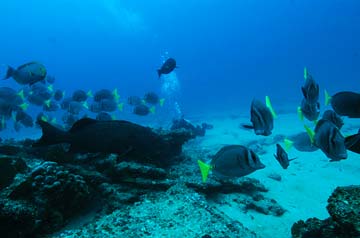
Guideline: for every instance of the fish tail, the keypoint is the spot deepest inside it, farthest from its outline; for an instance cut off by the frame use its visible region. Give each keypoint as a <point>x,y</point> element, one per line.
<point>50,88</point>
<point>152,110</point>
<point>24,106</point>
<point>21,94</point>
<point>10,72</point>
<point>268,104</point>
<point>305,73</point>
<point>121,107</point>
<point>159,72</point>
<point>327,98</point>
<point>90,94</point>
<point>50,134</point>
<point>161,102</point>
<point>310,133</point>
<point>300,114</point>
<point>204,169</point>
<point>288,144</point>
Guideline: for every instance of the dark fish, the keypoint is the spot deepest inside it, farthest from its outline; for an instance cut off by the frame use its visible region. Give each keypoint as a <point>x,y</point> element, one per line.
<point>76,107</point>
<point>58,95</point>
<point>302,142</point>
<point>168,66</point>
<point>51,106</point>
<point>345,103</point>
<point>81,95</point>
<point>50,79</point>
<point>310,90</point>
<point>27,74</point>
<point>143,110</point>
<point>231,161</point>
<point>103,116</point>
<point>333,117</point>
<point>120,137</point>
<point>134,100</point>
<point>11,101</point>
<point>106,94</point>
<point>352,143</point>
<point>151,98</point>
<point>282,157</point>
<point>65,104</point>
<point>311,111</point>
<point>24,118</point>
<point>261,118</point>
<point>329,139</point>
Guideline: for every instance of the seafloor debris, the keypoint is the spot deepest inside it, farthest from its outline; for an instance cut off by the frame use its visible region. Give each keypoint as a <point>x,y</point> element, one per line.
<point>344,221</point>
<point>44,190</point>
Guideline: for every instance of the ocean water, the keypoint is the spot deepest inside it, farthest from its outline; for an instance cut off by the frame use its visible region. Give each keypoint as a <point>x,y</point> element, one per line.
<point>228,52</point>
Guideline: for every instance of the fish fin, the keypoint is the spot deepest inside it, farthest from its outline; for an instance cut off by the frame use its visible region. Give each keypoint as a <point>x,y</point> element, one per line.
<point>24,106</point>
<point>50,88</point>
<point>50,134</point>
<point>85,105</point>
<point>315,122</point>
<point>53,121</point>
<point>268,104</point>
<point>116,95</point>
<point>113,117</point>
<point>21,94</point>
<point>247,126</point>
<point>305,73</point>
<point>90,94</point>
<point>44,118</point>
<point>152,110</point>
<point>293,159</point>
<point>159,72</point>
<point>288,144</point>
<point>143,101</point>
<point>204,169</point>
<point>310,133</point>
<point>327,98</point>
<point>120,107</point>
<point>47,103</point>
<point>161,102</point>
<point>82,123</point>
<point>300,114</point>
<point>3,123</point>
<point>9,73</point>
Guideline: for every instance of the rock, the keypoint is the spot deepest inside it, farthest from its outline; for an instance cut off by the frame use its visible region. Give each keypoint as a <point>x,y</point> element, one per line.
<point>9,167</point>
<point>343,207</point>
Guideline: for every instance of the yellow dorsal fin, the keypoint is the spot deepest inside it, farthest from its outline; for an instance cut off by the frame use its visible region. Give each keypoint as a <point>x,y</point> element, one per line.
<point>204,169</point>
<point>300,114</point>
<point>327,98</point>
<point>310,133</point>
<point>288,144</point>
<point>268,104</point>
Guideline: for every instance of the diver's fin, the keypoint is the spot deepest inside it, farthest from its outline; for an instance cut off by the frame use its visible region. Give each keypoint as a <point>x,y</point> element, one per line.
<point>288,144</point>
<point>327,98</point>
<point>310,133</point>
<point>300,114</point>
<point>268,104</point>
<point>204,169</point>
<point>10,72</point>
<point>50,135</point>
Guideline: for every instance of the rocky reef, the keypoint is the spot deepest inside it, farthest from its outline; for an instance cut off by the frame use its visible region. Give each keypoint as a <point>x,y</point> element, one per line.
<point>48,191</point>
<point>344,221</point>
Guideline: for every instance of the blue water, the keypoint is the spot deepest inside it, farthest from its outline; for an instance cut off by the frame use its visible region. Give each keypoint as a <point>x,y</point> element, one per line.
<point>228,52</point>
